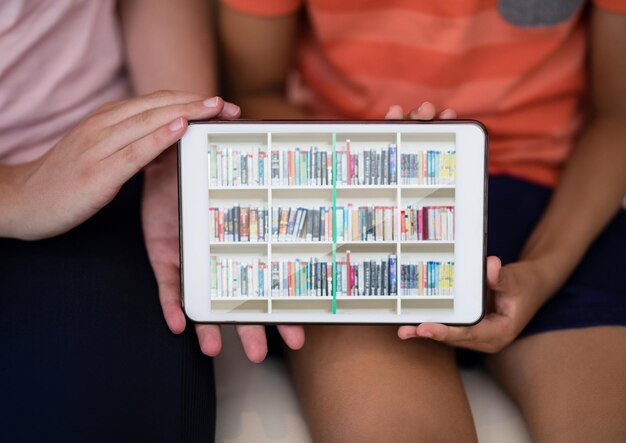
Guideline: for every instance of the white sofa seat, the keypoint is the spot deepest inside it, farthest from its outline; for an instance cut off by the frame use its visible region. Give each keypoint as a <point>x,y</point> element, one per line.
<point>257,403</point>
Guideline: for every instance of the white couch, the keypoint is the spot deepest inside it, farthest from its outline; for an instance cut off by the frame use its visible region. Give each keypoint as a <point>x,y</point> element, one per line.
<point>256,403</point>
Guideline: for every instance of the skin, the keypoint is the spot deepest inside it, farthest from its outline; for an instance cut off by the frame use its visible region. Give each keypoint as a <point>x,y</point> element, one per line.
<point>159,41</point>
<point>85,170</point>
<point>554,404</point>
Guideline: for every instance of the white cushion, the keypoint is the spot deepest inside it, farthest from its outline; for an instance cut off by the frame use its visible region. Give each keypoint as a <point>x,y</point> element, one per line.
<point>257,403</point>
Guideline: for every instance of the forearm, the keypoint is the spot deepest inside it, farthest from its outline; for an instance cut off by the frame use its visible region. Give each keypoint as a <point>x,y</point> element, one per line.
<point>169,45</point>
<point>12,178</point>
<point>592,187</point>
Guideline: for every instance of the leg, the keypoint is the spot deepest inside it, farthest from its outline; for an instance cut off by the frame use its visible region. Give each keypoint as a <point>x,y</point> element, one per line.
<point>569,384</point>
<point>85,354</point>
<point>361,383</point>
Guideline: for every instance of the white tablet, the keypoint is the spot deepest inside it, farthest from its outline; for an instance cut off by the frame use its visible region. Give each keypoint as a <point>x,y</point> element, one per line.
<point>378,222</point>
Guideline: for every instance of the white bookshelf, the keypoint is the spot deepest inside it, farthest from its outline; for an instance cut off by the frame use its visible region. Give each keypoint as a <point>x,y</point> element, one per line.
<point>269,195</point>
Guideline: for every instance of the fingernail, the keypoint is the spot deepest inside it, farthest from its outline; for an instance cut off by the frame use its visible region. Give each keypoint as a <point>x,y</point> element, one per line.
<point>211,102</point>
<point>230,110</point>
<point>426,334</point>
<point>176,125</point>
<point>422,106</point>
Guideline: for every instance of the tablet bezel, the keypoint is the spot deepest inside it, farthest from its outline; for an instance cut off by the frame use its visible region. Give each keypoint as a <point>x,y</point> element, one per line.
<point>193,216</point>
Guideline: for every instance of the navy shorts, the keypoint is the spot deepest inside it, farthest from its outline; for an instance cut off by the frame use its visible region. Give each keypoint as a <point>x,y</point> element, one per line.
<point>595,293</point>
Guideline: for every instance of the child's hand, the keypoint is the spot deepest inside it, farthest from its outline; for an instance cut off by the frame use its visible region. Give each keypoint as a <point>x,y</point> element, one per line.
<point>517,291</point>
<point>86,169</point>
<point>160,227</point>
<point>426,111</point>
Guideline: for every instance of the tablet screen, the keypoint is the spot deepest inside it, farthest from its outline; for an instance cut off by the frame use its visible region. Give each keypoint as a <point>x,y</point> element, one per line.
<point>332,222</point>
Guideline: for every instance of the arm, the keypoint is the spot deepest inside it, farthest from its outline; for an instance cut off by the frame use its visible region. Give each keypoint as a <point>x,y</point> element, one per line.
<point>259,53</point>
<point>594,176</point>
<point>593,179</point>
<point>170,45</point>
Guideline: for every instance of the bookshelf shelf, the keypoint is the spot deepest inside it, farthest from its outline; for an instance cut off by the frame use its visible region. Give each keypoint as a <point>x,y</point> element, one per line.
<point>442,186</point>
<point>379,177</point>
<point>427,297</point>
<point>324,298</point>
<point>237,188</point>
<point>426,243</point>
<point>305,243</point>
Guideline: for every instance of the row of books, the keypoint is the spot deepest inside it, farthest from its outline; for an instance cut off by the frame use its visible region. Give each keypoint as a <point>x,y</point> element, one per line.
<point>238,224</point>
<point>229,167</point>
<point>428,168</point>
<point>301,167</point>
<point>232,167</point>
<point>427,278</point>
<point>313,278</point>
<point>314,166</point>
<point>427,223</point>
<point>363,223</point>
<point>237,278</point>
<point>373,166</point>
<point>368,277</point>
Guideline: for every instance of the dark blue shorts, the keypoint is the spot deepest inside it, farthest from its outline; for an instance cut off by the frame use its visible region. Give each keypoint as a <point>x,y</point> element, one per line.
<point>595,294</point>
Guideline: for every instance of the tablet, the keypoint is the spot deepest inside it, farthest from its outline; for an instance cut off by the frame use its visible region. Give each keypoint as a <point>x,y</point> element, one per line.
<point>371,222</point>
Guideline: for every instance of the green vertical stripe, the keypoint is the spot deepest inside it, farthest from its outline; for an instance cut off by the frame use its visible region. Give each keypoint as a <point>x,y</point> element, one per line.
<point>334,172</point>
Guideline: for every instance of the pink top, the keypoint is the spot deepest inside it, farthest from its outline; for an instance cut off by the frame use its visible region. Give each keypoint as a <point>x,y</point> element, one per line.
<point>59,61</point>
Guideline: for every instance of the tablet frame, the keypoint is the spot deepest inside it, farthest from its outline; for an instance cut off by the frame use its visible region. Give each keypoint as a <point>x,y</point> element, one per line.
<point>194,281</point>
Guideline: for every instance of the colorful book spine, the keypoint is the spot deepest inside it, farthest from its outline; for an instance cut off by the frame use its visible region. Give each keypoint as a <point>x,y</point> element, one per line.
<point>427,278</point>
<point>367,277</point>
<point>237,278</point>
<point>428,168</point>
<point>237,224</point>
<point>364,223</point>
<point>420,223</point>
<point>230,167</point>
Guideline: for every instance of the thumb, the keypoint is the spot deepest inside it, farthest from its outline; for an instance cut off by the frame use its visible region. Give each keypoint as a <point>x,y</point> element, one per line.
<point>496,274</point>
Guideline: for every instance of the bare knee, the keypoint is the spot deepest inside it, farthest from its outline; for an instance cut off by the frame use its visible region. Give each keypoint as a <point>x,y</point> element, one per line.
<point>363,384</point>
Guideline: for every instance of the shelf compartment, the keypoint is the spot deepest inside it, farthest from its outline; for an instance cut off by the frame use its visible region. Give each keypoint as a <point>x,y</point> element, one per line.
<point>425,303</point>
<point>237,158</point>
<point>374,305</point>
<point>253,247</point>
<point>250,305</point>
<point>304,306</point>
<point>427,297</point>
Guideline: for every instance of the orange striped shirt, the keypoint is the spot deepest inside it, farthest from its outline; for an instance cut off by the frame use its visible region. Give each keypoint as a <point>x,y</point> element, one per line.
<point>519,67</point>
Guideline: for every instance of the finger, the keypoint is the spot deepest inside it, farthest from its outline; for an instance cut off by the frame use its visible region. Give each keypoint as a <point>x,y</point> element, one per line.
<point>230,111</point>
<point>426,111</point>
<point>440,332</point>
<point>120,135</point>
<point>395,113</point>
<point>169,295</point>
<point>484,335</point>
<point>115,112</point>
<point>254,342</point>
<point>406,332</point>
<point>124,164</point>
<point>293,336</point>
<point>447,114</point>
<point>497,275</point>
<point>210,339</point>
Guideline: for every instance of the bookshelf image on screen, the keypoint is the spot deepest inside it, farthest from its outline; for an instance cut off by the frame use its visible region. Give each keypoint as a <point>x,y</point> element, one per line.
<point>331,222</point>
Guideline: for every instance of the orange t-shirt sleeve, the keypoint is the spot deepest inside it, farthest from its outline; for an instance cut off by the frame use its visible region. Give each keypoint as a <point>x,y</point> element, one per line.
<point>611,5</point>
<point>265,8</point>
